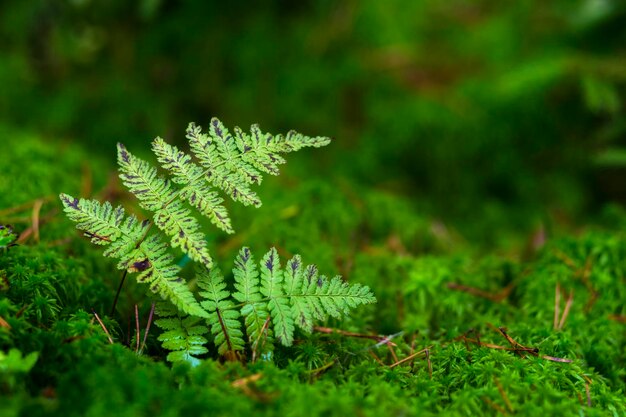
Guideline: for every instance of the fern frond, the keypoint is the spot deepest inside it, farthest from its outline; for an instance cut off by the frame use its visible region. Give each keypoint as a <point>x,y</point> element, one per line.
<point>297,296</point>
<point>207,152</point>
<point>226,162</point>
<point>255,313</point>
<point>157,269</point>
<point>196,190</point>
<point>100,222</point>
<point>125,236</point>
<point>183,336</point>
<point>223,318</point>
<point>233,162</point>
<point>278,305</point>
<point>155,194</point>
<point>271,303</point>
<point>302,310</point>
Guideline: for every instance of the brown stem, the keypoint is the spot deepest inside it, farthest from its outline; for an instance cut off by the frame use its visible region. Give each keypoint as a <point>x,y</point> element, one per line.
<point>117,294</point>
<point>145,334</point>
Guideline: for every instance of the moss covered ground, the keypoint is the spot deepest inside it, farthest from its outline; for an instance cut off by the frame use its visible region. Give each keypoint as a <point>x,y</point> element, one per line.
<point>475,182</point>
<point>456,331</point>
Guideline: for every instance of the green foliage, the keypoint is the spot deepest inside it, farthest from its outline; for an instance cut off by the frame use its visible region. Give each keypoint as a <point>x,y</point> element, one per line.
<point>137,253</point>
<point>229,163</point>
<point>328,374</point>
<point>271,305</point>
<point>7,237</point>
<point>469,134</point>
<point>13,362</point>
<point>183,336</point>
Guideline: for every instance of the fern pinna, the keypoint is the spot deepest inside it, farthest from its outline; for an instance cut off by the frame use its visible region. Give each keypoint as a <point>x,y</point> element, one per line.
<point>230,163</point>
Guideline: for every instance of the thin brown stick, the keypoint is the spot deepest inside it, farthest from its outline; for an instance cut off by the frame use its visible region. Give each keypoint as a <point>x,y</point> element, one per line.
<point>557,305</point>
<point>568,306</point>
<point>119,289</point>
<point>393,352</point>
<point>35,217</point>
<point>145,334</point>
<point>375,356</point>
<point>408,358</point>
<point>488,345</point>
<point>238,383</point>
<point>430,364</point>
<point>102,325</point>
<point>497,297</point>
<point>377,338</point>
<point>412,346</point>
<point>467,345</point>
<point>137,334</point>
<point>517,347</point>
<point>23,237</point>
<point>588,383</point>
<point>585,276</point>
<point>553,359</point>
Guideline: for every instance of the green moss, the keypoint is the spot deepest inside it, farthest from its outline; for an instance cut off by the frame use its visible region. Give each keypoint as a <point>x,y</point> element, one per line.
<point>61,362</point>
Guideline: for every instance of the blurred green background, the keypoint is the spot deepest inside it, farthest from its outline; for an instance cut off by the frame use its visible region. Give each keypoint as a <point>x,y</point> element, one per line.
<point>493,119</point>
<point>466,135</point>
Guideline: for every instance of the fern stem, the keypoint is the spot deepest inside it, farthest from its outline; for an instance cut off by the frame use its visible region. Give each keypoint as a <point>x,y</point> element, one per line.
<point>119,290</point>
<point>137,331</point>
<point>225,330</point>
<point>288,296</point>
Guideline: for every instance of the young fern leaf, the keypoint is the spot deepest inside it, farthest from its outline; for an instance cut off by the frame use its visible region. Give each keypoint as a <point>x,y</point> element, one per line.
<point>185,172</point>
<point>125,237</point>
<point>158,270</point>
<point>302,310</point>
<point>223,318</point>
<point>227,162</point>
<point>216,171</point>
<point>100,222</point>
<point>183,336</point>
<point>232,163</point>
<point>278,304</point>
<point>155,194</point>
<point>254,310</point>
<point>271,304</point>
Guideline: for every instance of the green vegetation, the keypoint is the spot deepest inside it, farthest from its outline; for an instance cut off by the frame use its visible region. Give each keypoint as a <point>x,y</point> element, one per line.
<point>475,184</point>
<point>280,300</point>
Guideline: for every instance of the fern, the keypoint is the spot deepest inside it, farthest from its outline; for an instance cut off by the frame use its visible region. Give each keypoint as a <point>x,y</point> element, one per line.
<point>223,318</point>
<point>183,336</point>
<point>226,162</point>
<point>269,301</point>
<point>273,303</point>
<point>255,312</point>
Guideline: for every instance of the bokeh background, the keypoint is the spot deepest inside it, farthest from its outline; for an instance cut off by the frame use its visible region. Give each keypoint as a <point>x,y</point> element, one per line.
<point>476,176</point>
<point>493,120</point>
